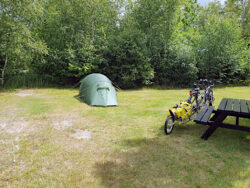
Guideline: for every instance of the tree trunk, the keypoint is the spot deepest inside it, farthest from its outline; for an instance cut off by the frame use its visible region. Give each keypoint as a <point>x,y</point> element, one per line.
<point>4,67</point>
<point>93,31</point>
<point>244,6</point>
<point>150,36</point>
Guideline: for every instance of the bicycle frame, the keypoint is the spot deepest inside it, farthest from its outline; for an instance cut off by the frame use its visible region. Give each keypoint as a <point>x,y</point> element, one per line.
<point>205,95</point>
<point>187,110</point>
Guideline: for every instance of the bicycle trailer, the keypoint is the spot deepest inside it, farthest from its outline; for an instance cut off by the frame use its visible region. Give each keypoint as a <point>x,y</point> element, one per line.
<point>181,111</point>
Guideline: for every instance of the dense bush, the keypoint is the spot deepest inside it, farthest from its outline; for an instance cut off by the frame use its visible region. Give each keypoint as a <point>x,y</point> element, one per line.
<point>176,69</point>
<point>125,60</point>
<point>220,49</point>
<point>135,43</point>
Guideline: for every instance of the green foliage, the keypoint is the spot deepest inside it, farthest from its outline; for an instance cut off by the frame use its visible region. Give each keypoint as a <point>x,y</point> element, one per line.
<point>125,60</point>
<point>220,49</point>
<point>177,68</point>
<point>73,31</point>
<point>241,9</point>
<point>18,43</point>
<point>165,42</point>
<point>29,80</point>
<point>176,65</point>
<point>158,22</point>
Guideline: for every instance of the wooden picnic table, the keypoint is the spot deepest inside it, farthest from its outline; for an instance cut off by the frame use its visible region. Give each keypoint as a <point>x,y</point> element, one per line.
<point>238,108</point>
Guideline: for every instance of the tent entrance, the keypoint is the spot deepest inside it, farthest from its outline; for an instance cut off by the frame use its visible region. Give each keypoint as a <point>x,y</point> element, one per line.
<point>103,94</point>
<point>103,91</point>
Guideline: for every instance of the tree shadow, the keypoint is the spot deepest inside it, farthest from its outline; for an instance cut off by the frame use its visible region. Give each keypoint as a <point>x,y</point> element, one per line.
<point>179,160</point>
<point>193,129</point>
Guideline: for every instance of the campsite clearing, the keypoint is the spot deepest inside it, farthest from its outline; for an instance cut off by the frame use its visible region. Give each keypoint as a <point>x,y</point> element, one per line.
<point>48,138</point>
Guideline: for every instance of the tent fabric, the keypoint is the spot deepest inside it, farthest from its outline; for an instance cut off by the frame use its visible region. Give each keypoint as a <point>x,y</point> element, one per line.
<point>97,90</point>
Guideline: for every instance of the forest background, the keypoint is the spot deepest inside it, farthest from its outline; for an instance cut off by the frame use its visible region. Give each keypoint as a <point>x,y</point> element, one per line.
<point>134,42</point>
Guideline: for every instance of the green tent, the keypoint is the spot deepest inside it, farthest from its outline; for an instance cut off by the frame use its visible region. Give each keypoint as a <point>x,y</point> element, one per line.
<point>97,90</point>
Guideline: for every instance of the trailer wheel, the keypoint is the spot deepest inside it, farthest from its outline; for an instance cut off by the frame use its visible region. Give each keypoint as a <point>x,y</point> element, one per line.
<point>169,125</point>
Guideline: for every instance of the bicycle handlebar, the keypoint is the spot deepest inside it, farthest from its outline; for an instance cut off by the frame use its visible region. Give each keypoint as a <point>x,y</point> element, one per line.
<point>209,81</point>
<point>205,83</point>
<point>200,86</point>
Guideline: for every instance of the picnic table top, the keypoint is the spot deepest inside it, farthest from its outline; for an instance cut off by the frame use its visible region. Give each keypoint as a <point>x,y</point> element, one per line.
<point>227,107</point>
<point>235,106</point>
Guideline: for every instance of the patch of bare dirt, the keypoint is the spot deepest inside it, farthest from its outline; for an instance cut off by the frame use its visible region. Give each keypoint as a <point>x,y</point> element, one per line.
<point>24,92</point>
<point>81,134</point>
<point>64,121</point>
<point>13,126</point>
<point>9,110</point>
<point>62,124</point>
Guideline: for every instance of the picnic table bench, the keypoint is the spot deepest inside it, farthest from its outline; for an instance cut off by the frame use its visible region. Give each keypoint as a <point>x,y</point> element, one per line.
<point>238,108</point>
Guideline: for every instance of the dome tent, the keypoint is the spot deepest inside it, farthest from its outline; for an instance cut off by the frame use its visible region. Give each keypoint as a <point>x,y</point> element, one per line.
<point>97,90</point>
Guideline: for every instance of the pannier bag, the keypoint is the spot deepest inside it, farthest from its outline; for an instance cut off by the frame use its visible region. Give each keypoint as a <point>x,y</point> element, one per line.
<point>181,111</point>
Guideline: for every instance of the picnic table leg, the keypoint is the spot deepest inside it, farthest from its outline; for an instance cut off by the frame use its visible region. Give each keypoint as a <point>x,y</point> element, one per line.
<point>205,133</point>
<point>218,119</point>
<point>237,120</point>
<point>209,132</point>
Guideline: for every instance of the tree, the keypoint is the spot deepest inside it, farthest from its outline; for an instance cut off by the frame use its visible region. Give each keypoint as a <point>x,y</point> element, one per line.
<point>220,49</point>
<point>74,32</point>
<point>240,8</point>
<point>125,59</point>
<point>17,42</point>
<point>134,42</point>
<point>156,20</point>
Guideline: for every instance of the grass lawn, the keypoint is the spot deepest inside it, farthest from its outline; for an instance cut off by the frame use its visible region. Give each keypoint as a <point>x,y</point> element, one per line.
<point>50,139</point>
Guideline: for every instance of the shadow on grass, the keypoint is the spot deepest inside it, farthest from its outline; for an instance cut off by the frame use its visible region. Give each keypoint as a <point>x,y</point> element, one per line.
<point>82,101</point>
<point>79,99</point>
<point>179,160</point>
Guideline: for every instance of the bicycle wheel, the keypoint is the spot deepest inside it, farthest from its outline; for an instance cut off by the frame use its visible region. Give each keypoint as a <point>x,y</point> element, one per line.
<point>169,125</point>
